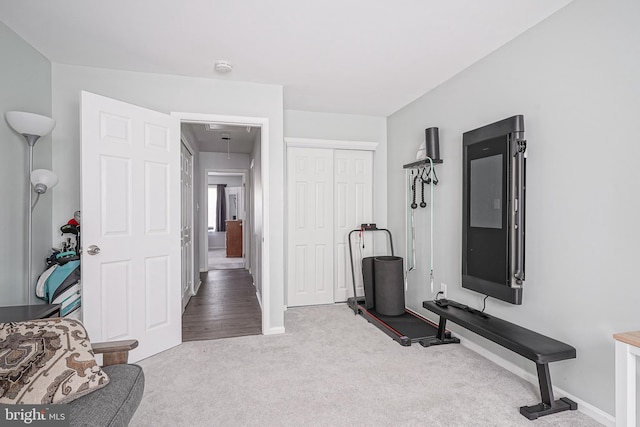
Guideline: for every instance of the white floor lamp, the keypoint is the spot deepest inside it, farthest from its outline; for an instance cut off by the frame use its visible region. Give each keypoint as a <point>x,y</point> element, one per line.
<point>32,127</point>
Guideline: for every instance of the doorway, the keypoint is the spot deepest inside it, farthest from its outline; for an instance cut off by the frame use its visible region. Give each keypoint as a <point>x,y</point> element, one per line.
<point>229,232</point>
<point>228,220</point>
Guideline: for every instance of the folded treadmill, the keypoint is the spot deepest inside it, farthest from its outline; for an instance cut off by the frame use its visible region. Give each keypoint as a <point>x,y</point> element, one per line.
<point>404,326</point>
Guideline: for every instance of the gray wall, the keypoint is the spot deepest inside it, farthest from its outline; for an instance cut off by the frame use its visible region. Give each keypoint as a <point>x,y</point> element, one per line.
<point>575,77</point>
<point>25,85</point>
<point>167,93</point>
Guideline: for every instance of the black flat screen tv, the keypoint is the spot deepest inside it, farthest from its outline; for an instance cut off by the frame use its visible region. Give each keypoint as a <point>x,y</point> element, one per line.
<point>493,209</point>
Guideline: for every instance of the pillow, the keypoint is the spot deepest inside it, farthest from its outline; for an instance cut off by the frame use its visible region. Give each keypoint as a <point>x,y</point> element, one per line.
<point>47,361</point>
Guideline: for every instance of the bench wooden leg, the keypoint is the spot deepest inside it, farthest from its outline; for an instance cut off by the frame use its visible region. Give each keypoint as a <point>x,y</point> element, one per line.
<point>548,405</point>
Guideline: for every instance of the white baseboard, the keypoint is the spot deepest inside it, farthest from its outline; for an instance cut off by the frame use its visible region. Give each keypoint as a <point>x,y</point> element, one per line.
<point>195,290</point>
<point>259,299</point>
<point>275,330</point>
<point>584,407</point>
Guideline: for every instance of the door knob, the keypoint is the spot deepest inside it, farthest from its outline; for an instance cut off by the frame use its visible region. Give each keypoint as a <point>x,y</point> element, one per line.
<point>93,250</point>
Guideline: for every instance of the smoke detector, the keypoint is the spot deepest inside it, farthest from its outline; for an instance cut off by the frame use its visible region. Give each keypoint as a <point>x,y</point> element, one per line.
<point>223,66</point>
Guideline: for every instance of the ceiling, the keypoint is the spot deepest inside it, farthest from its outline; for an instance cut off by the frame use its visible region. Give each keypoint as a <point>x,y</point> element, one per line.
<point>213,137</point>
<point>343,56</point>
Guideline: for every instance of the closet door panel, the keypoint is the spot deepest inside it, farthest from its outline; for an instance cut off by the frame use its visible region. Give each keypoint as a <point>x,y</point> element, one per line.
<point>310,213</point>
<point>353,184</point>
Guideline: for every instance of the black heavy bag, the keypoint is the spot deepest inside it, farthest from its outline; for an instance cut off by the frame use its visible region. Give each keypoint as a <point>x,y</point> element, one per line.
<point>389,285</point>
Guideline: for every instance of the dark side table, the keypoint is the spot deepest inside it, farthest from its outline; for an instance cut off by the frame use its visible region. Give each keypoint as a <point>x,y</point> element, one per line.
<point>19,313</point>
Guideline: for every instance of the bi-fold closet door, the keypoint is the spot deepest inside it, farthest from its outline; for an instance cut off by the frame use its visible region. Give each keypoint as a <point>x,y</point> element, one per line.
<point>330,193</point>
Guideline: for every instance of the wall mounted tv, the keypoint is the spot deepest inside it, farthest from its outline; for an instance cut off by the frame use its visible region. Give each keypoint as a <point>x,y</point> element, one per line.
<point>494,209</point>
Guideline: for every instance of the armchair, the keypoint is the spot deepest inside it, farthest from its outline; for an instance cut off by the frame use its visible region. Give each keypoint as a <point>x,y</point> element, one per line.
<point>114,404</point>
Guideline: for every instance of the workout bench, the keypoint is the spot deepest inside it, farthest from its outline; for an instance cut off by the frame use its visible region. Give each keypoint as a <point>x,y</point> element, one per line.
<point>536,347</point>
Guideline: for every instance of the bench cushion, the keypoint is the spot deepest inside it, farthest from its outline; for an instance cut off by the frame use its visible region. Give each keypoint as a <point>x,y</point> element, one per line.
<point>113,405</point>
<point>532,345</point>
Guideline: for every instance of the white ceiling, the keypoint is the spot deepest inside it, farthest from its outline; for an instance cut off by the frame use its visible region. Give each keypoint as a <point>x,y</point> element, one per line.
<point>344,56</point>
<point>241,138</point>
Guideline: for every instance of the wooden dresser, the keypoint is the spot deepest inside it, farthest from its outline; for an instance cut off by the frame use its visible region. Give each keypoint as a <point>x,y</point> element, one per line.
<point>234,238</point>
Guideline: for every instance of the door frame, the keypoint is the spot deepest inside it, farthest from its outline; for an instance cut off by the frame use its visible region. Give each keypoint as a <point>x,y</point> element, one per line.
<point>263,124</point>
<point>244,174</point>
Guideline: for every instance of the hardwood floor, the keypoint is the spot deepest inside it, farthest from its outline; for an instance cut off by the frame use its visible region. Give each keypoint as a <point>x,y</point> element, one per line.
<point>225,306</point>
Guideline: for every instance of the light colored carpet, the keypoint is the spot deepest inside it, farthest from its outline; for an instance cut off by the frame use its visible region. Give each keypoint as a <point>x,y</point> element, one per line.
<point>218,260</point>
<point>332,368</point>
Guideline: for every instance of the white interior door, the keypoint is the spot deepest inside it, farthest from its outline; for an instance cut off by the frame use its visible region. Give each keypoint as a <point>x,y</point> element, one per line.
<point>310,214</point>
<point>353,196</point>
<point>130,211</point>
<point>186,234</point>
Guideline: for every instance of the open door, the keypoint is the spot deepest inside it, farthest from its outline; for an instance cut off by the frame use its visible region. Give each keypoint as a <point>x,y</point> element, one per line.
<point>186,165</point>
<point>130,187</point>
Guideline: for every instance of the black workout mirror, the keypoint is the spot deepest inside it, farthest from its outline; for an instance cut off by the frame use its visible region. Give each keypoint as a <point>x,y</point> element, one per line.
<point>493,209</point>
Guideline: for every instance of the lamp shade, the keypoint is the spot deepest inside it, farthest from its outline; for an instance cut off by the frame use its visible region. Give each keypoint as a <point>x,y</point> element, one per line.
<point>29,123</point>
<point>43,179</point>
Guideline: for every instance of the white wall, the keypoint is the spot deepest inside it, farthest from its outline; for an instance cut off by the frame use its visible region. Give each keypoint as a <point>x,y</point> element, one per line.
<point>25,85</point>
<point>230,181</point>
<point>167,93</point>
<point>348,127</point>
<point>219,161</point>
<point>575,77</point>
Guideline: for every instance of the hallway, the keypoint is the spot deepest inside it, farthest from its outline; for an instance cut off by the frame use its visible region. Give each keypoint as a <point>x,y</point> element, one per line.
<point>225,306</point>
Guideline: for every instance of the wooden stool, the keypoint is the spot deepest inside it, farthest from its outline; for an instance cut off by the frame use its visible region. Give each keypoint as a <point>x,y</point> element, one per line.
<point>627,349</point>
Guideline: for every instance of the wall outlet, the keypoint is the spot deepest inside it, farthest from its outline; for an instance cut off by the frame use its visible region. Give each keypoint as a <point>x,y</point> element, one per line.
<point>443,289</point>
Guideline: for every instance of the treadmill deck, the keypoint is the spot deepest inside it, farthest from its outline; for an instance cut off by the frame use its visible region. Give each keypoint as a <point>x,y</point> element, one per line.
<point>407,328</point>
